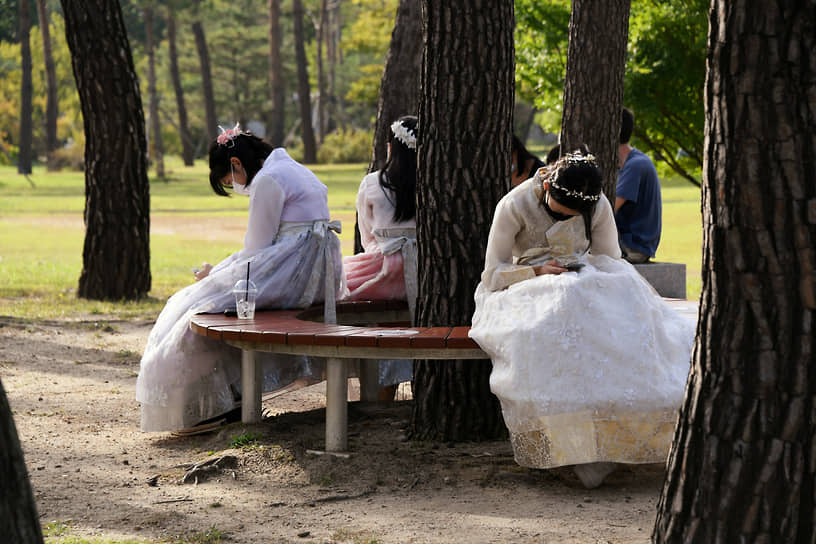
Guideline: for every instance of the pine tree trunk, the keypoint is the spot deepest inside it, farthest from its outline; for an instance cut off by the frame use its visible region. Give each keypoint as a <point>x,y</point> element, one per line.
<point>51,101</point>
<point>304,91</point>
<point>465,126</point>
<point>276,82</point>
<point>593,89</point>
<point>26,90</point>
<point>19,522</point>
<point>184,127</point>
<point>156,149</point>
<point>741,468</point>
<point>116,255</point>
<point>206,80</point>
<point>322,98</point>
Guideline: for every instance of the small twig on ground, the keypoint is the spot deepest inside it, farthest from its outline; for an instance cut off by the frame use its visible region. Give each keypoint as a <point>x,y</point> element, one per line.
<point>180,499</point>
<point>337,498</point>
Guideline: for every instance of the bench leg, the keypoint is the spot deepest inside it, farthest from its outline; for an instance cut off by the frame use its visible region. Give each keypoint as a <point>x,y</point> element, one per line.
<point>336,405</point>
<point>251,384</point>
<point>369,379</point>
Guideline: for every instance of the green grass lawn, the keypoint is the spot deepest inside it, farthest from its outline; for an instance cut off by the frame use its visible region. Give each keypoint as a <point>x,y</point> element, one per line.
<point>42,233</point>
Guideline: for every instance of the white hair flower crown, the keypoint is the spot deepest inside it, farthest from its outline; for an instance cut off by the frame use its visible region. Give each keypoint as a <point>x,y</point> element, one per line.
<point>228,135</point>
<point>404,134</point>
<point>550,174</point>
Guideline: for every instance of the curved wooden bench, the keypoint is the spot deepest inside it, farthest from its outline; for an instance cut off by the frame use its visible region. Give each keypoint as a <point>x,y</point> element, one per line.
<point>360,333</point>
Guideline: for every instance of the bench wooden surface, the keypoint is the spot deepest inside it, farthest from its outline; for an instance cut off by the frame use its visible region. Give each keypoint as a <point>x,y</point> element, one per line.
<point>388,335</point>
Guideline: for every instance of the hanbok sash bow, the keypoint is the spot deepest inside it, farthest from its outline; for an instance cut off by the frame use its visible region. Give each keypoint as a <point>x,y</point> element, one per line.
<point>402,239</point>
<point>322,229</point>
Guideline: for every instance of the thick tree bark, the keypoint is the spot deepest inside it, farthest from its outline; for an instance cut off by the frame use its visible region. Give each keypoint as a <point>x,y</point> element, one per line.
<point>206,80</point>
<point>51,102</point>
<point>465,120</point>
<point>156,147</point>
<point>741,468</point>
<point>593,90</point>
<point>304,91</point>
<point>184,126</point>
<point>19,521</point>
<point>276,82</point>
<point>116,256</point>
<point>26,91</point>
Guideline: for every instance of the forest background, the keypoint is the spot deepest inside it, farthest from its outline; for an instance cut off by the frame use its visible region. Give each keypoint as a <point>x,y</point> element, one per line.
<point>346,43</point>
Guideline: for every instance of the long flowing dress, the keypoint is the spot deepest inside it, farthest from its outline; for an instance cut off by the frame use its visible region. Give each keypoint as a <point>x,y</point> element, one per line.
<point>387,269</point>
<point>589,366</point>
<point>185,378</point>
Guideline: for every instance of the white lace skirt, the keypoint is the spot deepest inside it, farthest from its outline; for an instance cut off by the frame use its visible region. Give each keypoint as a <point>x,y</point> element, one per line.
<point>185,378</point>
<point>588,366</point>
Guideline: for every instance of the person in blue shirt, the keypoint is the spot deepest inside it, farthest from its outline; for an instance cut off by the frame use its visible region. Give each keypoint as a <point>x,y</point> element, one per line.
<point>638,207</point>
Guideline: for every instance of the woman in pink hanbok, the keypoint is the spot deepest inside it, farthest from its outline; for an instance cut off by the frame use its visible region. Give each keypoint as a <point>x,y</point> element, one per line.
<point>387,270</point>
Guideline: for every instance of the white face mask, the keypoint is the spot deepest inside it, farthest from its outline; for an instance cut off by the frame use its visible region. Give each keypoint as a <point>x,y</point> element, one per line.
<point>238,188</point>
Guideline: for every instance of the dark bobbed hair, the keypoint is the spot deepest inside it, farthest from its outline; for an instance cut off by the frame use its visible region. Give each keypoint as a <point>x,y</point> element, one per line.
<point>250,150</point>
<point>522,154</point>
<point>399,173</point>
<point>579,176</point>
<point>627,125</point>
<point>553,154</point>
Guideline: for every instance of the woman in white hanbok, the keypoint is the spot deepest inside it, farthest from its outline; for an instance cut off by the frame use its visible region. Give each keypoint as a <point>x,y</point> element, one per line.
<point>589,363</point>
<point>184,378</point>
<point>386,217</point>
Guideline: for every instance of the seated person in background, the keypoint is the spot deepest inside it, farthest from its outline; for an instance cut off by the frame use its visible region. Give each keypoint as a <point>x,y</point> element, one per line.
<point>386,216</point>
<point>524,163</point>
<point>638,207</point>
<point>553,154</point>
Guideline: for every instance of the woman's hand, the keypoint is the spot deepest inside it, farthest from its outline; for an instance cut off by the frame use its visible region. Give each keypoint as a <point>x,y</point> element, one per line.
<point>203,272</point>
<point>550,267</point>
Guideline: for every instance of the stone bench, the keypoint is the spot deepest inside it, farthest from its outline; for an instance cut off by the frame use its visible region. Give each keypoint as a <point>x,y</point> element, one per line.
<point>668,279</point>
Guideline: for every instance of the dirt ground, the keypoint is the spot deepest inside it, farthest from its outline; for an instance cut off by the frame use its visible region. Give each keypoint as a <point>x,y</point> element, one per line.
<point>95,474</point>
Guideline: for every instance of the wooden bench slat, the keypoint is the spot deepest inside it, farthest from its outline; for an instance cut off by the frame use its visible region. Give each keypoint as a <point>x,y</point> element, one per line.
<point>433,337</point>
<point>367,337</point>
<point>458,338</point>
<point>397,340</point>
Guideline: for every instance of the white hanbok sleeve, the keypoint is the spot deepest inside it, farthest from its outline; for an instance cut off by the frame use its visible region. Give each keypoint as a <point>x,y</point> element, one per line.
<point>604,231</point>
<point>265,208</point>
<point>499,270</point>
<point>365,215</point>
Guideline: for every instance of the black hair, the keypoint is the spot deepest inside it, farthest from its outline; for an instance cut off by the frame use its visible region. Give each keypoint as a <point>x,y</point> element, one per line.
<point>522,154</point>
<point>553,154</point>
<point>627,125</point>
<point>576,176</point>
<point>250,150</point>
<point>399,173</point>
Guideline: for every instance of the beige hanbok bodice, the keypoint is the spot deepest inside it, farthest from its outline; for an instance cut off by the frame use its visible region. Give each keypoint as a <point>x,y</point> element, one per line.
<point>524,235</point>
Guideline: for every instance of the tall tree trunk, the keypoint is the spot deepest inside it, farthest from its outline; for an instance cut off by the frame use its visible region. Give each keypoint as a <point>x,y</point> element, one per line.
<point>206,80</point>
<point>304,98</point>
<point>26,90</point>
<point>184,126</point>
<point>593,90</point>
<point>276,82</point>
<point>116,256</point>
<point>19,522</point>
<point>322,98</point>
<point>332,40</point>
<point>465,120</point>
<point>156,150</point>
<point>741,468</point>
<point>51,101</point>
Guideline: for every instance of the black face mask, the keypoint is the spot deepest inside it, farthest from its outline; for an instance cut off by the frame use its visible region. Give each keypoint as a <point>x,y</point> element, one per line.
<point>555,215</point>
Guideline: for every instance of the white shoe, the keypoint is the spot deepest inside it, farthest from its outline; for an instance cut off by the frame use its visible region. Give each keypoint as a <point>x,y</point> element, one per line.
<point>593,474</point>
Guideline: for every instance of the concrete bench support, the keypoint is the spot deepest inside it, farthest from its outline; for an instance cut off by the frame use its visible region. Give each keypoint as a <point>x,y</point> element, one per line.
<point>668,279</point>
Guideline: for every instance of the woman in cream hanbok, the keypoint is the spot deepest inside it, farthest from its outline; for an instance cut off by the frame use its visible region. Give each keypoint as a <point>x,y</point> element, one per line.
<point>589,363</point>
<point>386,217</point>
<point>295,257</point>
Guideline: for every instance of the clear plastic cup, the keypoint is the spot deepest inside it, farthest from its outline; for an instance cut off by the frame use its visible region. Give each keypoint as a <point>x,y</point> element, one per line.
<point>245,295</point>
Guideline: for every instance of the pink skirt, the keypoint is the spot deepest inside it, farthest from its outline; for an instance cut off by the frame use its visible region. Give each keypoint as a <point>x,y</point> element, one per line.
<point>374,276</point>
